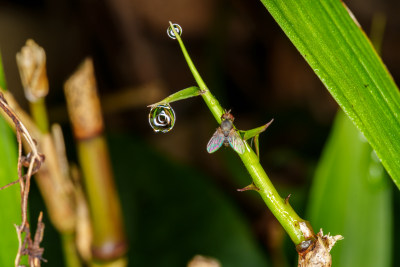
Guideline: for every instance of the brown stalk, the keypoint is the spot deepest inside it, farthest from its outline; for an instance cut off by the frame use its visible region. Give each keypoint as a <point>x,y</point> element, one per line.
<point>315,251</point>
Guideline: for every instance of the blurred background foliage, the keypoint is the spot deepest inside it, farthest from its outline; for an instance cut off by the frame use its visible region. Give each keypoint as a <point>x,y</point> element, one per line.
<point>178,200</point>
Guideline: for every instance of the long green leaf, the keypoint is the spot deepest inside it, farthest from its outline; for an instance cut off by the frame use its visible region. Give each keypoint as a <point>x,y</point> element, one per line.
<point>343,58</point>
<point>10,205</point>
<point>351,196</point>
<point>180,95</point>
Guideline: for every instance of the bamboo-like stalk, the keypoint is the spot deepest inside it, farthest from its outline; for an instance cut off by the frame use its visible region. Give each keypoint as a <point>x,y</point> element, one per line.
<point>109,245</point>
<point>54,184</point>
<point>39,114</point>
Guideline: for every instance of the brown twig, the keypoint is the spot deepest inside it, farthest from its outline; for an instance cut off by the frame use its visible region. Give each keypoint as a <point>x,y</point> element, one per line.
<point>8,185</point>
<point>33,161</point>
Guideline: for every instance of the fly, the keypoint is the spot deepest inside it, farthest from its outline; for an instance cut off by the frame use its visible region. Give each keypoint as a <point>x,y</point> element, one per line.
<point>226,135</point>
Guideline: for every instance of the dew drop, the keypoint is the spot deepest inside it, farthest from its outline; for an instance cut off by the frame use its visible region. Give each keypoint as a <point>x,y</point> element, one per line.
<point>303,246</point>
<point>375,157</point>
<point>177,28</point>
<point>362,137</point>
<point>162,118</point>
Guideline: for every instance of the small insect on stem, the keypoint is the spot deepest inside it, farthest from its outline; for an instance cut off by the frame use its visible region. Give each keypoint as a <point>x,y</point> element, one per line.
<point>226,135</point>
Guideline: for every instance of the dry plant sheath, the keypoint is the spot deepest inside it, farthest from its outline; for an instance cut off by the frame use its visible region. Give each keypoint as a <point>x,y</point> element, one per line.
<point>109,242</point>
<point>299,230</point>
<point>316,254</point>
<point>32,161</point>
<point>32,66</point>
<point>31,61</point>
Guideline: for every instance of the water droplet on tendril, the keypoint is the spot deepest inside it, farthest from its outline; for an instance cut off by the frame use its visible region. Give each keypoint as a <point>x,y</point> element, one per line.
<point>178,30</point>
<point>162,118</point>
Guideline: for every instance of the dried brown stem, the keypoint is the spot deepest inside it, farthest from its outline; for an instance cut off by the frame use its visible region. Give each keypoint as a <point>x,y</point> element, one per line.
<point>52,179</point>
<point>33,160</point>
<point>10,184</point>
<point>314,252</point>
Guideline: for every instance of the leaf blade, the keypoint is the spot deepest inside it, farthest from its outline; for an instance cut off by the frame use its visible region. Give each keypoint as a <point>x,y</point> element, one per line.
<point>351,196</point>
<point>345,61</point>
<point>180,95</point>
<point>256,131</point>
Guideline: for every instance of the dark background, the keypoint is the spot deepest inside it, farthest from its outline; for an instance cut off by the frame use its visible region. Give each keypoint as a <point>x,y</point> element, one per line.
<point>248,64</point>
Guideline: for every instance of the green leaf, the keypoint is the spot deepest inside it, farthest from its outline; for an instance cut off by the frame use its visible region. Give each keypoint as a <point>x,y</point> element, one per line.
<point>253,132</point>
<point>182,94</point>
<point>10,205</point>
<point>343,58</point>
<point>351,196</point>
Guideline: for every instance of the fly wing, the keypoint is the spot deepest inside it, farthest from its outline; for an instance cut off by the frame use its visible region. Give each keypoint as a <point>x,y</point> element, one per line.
<point>236,141</point>
<point>216,141</point>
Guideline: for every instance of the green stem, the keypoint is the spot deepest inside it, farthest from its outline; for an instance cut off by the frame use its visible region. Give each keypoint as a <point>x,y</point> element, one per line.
<point>39,114</point>
<point>3,83</point>
<point>109,239</point>
<point>71,256</point>
<point>210,100</point>
<point>281,209</point>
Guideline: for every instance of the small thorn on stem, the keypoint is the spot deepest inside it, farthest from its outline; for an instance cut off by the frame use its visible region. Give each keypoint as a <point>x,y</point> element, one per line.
<point>287,199</point>
<point>249,187</point>
<point>202,92</point>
